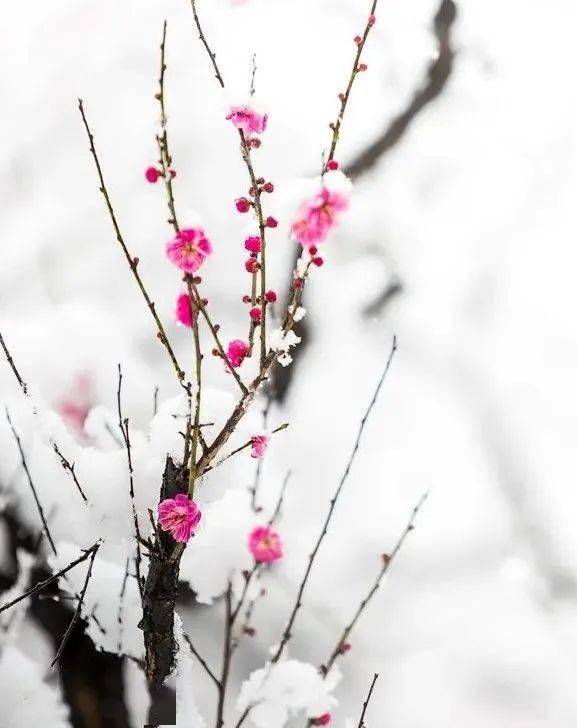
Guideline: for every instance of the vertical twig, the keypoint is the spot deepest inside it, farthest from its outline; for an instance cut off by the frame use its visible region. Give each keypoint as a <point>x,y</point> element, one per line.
<point>227,653</point>
<point>70,467</point>
<point>123,425</point>
<point>202,37</point>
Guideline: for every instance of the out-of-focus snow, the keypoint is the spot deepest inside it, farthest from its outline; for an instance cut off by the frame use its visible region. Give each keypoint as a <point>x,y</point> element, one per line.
<point>473,212</point>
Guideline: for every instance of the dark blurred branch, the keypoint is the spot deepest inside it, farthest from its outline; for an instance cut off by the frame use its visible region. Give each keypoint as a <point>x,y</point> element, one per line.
<point>435,81</point>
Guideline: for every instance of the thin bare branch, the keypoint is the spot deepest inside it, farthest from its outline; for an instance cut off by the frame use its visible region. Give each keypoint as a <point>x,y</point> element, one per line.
<point>70,467</point>
<point>10,360</point>
<point>46,582</point>
<point>203,662</point>
<point>204,42</point>
<point>387,561</point>
<point>76,615</point>
<point>31,483</point>
<point>132,262</point>
<point>298,601</point>
<point>367,701</point>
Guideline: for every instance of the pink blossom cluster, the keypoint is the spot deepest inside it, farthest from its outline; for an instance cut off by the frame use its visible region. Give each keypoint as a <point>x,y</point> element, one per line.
<point>247,120</point>
<point>318,216</point>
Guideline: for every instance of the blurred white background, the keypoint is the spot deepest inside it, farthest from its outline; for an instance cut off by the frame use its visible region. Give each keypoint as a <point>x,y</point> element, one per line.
<point>472,212</point>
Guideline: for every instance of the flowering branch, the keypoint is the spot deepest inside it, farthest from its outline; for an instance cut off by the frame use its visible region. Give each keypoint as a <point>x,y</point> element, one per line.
<point>10,360</point>
<point>361,723</point>
<point>342,645</point>
<point>132,262</point>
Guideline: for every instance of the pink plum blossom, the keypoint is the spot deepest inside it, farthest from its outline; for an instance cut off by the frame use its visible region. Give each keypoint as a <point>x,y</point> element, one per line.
<point>252,243</point>
<point>259,444</point>
<point>189,249</point>
<point>247,119</point>
<point>318,216</point>
<point>265,544</point>
<point>179,515</point>
<point>78,402</point>
<point>323,719</point>
<point>237,352</point>
<point>185,314</point>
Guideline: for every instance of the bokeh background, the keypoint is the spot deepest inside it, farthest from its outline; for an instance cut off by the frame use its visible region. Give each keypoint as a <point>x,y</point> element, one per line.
<point>460,240</point>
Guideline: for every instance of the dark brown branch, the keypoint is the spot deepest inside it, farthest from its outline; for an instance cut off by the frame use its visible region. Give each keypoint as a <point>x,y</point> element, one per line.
<point>70,467</point>
<point>298,601</point>
<point>204,42</point>
<point>132,262</point>
<point>31,483</point>
<point>367,701</point>
<point>387,561</point>
<point>10,360</point>
<point>202,661</point>
<point>46,582</point>
<point>76,615</point>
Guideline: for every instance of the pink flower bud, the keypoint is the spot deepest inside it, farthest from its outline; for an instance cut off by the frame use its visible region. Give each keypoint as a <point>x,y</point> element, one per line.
<point>172,173</point>
<point>318,261</point>
<point>358,40</point>
<point>271,222</point>
<point>372,20</point>
<point>323,719</point>
<point>362,67</point>
<point>265,545</point>
<point>252,265</point>
<point>242,204</point>
<point>268,187</point>
<point>270,296</point>
<point>255,314</point>
<point>313,250</point>
<point>246,299</point>
<point>152,174</point>
<point>332,164</point>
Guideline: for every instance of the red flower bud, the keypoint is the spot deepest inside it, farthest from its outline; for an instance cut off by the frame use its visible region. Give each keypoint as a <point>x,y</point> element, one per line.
<point>318,261</point>
<point>271,222</point>
<point>332,164</point>
<point>242,204</point>
<point>252,265</point>
<point>268,187</point>
<point>255,314</point>
<point>270,296</point>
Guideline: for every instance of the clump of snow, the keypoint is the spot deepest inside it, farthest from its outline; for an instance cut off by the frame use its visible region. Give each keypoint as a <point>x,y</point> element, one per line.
<point>219,550</point>
<point>278,692</point>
